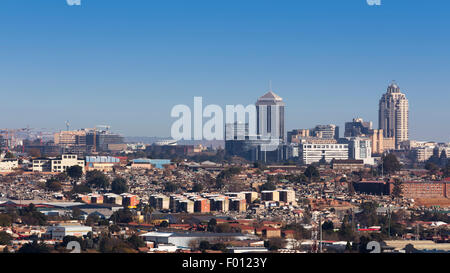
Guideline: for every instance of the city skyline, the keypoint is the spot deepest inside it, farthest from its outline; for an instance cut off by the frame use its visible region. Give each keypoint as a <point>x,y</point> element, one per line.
<point>97,64</point>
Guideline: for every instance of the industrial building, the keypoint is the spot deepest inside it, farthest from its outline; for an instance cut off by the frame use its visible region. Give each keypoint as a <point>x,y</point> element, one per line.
<point>59,232</point>
<point>184,240</point>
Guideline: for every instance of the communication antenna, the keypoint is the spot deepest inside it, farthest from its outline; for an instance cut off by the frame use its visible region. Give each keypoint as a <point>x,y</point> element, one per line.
<point>67,125</point>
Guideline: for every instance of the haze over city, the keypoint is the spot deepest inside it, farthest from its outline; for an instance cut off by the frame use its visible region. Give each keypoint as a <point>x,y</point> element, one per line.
<point>127,64</point>
<point>278,129</point>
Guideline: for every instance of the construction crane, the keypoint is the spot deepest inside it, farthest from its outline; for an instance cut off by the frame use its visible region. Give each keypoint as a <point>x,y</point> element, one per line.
<point>94,146</point>
<point>9,137</point>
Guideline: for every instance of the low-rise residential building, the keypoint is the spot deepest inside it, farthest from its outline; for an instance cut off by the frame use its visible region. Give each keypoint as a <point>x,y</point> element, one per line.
<point>270,196</point>
<point>159,202</point>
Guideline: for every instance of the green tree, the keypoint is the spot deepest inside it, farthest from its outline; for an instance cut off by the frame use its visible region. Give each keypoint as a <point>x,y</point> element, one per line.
<point>212,225</point>
<point>223,228</point>
<point>312,173</point>
<point>346,231</point>
<point>170,187</point>
<point>97,179</point>
<point>146,210</point>
<point>53,185</point>
<point>164,224</point>
<point>114,245</point>
<point>5,220</point>
<point>224,176</point>
<point>81,188</point>
<point>9,155</point>
<point>275,243</point>
<point>368,215</point>
<point>122,216</point>
<point>34,247</point>
<point>119,185</point>
<point>114,228</point>
<point>259,165</point>
<point>268,186</point>
<point>136,241</point>
<point>61,177</point>
<point>30,216</point>
<point>432,168</point>
<point>197,187</point>
<point>92,219</point>
<point>5,238</point>
<point>76,213</point>
<point>351,188</point>
<point>300,232</point>
<point>390,164</point>
<point>397,190</point>
<point>204,245</point>
<point>75,172</point>
<point>443,160</point>
<point>446,170</point>
<point>301,178</point>
<point>328,226</point>
<point>362,246</point>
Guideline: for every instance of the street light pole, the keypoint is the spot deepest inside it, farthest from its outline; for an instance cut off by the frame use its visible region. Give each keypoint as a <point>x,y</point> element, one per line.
<point>320,223</point>
<point>389,214</point>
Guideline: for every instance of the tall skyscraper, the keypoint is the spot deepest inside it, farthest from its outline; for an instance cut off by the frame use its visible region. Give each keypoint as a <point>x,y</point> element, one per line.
<point>393,115</point>
<point>270,116</point>
<point>358,127</point>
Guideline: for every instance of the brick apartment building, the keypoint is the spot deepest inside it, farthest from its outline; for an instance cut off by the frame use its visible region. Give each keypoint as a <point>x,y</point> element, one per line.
<point>410,189</point>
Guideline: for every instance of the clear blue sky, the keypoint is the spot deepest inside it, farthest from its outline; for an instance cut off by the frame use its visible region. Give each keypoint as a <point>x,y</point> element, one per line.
<point>128,62</point>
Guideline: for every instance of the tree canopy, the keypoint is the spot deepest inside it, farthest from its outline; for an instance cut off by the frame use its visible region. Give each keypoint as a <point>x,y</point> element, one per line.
<point>119,185</point>
<point>5,238</point>
<point>34,247</point>
<point>397,191</point>
<point>390,164</point>
<point>75,172</point>
<point>97,179</point>
<point>53,185</point>
<point>268,186</point>
<point>312,173</point>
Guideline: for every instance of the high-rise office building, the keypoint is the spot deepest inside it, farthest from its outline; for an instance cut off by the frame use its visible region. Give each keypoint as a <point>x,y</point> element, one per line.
<point>270,116</point>
<point>329,131</point>
<point>358,127</point>
<point>236,131</point>
<point>393,114</point>
<point>101,139</point>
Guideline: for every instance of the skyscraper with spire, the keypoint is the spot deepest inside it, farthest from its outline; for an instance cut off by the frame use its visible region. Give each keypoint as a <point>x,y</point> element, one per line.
<point>393,114</point>
<point>270,116</point>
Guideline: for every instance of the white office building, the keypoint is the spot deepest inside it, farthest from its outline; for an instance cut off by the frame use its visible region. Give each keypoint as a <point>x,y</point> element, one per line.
<point>58,165</point>
<point>59,232</point>
<point>311,152</point>
<point>361,149</point>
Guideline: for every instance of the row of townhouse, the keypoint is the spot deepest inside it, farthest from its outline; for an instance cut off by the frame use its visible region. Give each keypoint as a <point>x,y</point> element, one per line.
<point>124,199</point>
